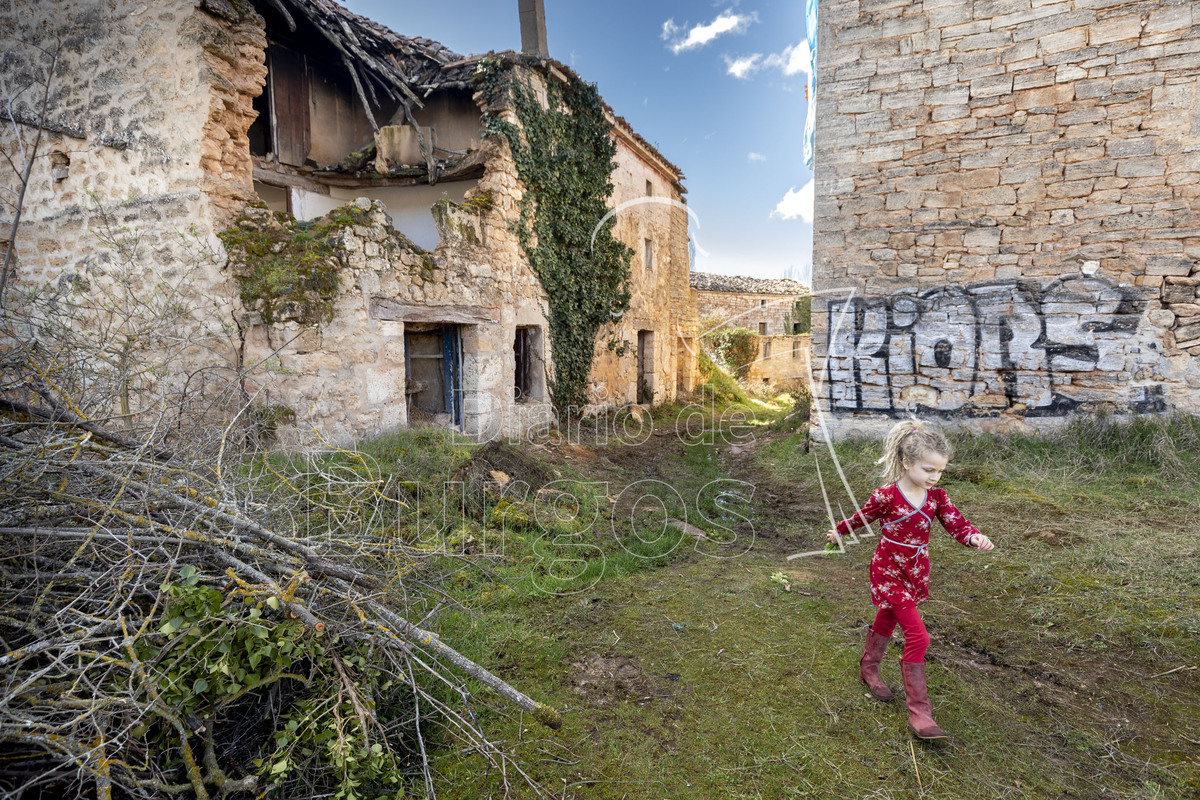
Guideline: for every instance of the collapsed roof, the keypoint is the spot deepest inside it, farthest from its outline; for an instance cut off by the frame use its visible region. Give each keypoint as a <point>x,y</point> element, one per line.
<point>384,65</point>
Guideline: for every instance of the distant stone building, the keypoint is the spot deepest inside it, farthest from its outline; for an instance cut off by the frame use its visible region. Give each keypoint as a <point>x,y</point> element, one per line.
<point>1011,190</point>
<point>766,307</point>
<point>262,116</point>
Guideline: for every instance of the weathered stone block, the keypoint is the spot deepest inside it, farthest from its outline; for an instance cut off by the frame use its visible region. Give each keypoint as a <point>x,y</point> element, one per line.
<point>1174,95</point>
<point>1167,265</point>
<point>1044,97</point>
<point>1090,169</point>
<point>1115,30</point>
<point>1132,147</point>
<point>1137,83</point>
<point>1063,41</point>
<point>1185,333</point>
<point>1056,23</point>
<point>992,86</point>
<point>1140,167</point>
<point>1171,19</point>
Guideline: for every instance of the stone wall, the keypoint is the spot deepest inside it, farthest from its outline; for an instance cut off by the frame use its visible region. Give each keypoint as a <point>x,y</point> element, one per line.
<point>139,153</point>
<point>782,360</point>
<point>746,310</point>
<point>659,300</point>
<point>346,376</point>
<point>1011,189</point>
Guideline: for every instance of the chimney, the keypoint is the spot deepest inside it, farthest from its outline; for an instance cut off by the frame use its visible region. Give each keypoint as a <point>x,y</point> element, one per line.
<point>533,27</point>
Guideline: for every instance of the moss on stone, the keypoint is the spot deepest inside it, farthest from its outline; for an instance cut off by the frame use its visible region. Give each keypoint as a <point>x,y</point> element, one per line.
<point>286,269</point>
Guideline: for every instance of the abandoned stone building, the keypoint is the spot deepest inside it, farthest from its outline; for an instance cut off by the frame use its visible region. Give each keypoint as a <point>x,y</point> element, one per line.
<point>1007,223</point>
<point>281,133</point>
<point>767,307</point>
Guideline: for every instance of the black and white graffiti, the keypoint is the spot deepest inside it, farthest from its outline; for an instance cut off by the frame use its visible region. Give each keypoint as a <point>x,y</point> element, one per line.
<point>1012,346</point>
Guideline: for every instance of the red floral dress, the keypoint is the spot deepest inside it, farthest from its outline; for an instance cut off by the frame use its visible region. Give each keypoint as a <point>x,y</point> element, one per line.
<point>900,566</point>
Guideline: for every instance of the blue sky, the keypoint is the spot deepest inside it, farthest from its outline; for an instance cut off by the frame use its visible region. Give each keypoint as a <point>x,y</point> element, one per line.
<point>718,88</point>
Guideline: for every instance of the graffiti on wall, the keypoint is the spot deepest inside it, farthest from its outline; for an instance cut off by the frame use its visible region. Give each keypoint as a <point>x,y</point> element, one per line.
<point>1013,346</point>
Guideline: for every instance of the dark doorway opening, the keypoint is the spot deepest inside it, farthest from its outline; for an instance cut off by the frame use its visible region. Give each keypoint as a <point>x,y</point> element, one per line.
<point>524,355</point>
<point>645,367</point>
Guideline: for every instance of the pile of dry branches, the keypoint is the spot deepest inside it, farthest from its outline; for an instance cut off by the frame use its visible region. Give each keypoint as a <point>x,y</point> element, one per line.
<point>170,624</point>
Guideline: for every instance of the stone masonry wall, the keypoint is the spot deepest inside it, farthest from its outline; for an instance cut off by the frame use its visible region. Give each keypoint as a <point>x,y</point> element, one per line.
<point>142,92</point>
<point>781,359</point>
<point>346,376</point>
<point>1011,188</point>
<point>746,310</point>
<point>655,303</point>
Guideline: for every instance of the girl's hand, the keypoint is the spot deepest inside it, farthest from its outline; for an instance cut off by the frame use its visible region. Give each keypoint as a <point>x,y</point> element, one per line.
<point>832,536</point>
<point>981,542</point>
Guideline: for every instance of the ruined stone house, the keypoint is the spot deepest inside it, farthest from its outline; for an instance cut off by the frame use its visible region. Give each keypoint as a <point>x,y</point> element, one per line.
<point>1007,220</point>
<point>768,308</point>
<point>269,122</point>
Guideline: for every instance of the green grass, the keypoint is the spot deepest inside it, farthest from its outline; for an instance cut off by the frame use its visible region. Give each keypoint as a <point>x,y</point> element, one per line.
<point>1062,662</point>
<point>1051,660</point>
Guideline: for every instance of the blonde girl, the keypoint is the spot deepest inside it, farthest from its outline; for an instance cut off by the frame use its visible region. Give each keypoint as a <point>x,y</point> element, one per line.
<point>914,458</point>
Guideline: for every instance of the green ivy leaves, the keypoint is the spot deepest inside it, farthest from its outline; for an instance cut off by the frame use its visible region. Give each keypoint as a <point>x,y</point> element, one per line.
<point>564,155</point>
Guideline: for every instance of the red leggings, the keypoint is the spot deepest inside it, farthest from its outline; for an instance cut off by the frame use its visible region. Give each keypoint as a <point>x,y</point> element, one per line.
<point>916,639</point>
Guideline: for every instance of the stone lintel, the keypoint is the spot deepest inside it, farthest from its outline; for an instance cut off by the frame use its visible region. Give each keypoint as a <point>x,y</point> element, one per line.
<point>383,309</point>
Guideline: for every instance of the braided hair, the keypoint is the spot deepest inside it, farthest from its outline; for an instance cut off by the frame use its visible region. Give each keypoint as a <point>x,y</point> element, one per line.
<point>908,441</point>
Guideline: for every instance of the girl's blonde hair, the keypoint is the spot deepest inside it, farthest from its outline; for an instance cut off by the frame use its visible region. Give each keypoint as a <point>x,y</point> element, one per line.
<point>908,441</point>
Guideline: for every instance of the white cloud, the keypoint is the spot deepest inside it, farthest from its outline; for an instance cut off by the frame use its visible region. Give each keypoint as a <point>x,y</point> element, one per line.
<point>756,157</point>
<point>797,204</point>
<point>742,67</point>
<point>681,38</point>
<point>794,60</point>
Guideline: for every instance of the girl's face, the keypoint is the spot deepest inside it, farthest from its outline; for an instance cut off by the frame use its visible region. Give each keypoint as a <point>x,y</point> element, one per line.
<point>925,471</point>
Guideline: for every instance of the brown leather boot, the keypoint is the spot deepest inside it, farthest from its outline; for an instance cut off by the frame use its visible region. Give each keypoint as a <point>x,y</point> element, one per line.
<point>868,665</point>
<point>920,713</point>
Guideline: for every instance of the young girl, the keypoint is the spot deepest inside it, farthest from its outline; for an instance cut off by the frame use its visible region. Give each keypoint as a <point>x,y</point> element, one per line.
<point>913,458</point>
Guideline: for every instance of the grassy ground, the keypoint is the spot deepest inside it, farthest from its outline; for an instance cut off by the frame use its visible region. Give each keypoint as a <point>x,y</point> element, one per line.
<point>1063,664</point>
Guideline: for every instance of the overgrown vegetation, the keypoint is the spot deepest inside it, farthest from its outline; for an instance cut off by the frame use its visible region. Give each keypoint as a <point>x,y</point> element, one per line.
<point>287,269</point>
<point>735,348</point>
<point>564,154</point>
<point>723,386</point>
<point>1061,664</point>
<point>798,319</point>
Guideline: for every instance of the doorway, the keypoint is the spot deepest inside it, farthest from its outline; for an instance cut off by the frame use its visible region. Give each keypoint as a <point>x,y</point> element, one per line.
<point>433,373</point>
<point>645,367</point>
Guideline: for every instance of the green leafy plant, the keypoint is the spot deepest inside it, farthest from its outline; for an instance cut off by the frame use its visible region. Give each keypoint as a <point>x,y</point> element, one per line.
<point>216,648</point>
<point>799,317</point>
<point>288,269</point>
<point>735,348</point>
<point>564,151</point>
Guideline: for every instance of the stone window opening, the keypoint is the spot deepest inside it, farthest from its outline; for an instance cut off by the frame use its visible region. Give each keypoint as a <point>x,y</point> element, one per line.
<point>762,329</point>
<point>649,189</point>
<point>648,258</point>
<point>766,349</point>
<point>795,348</point>
<point>762,303</point>
<point>528,372</point>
